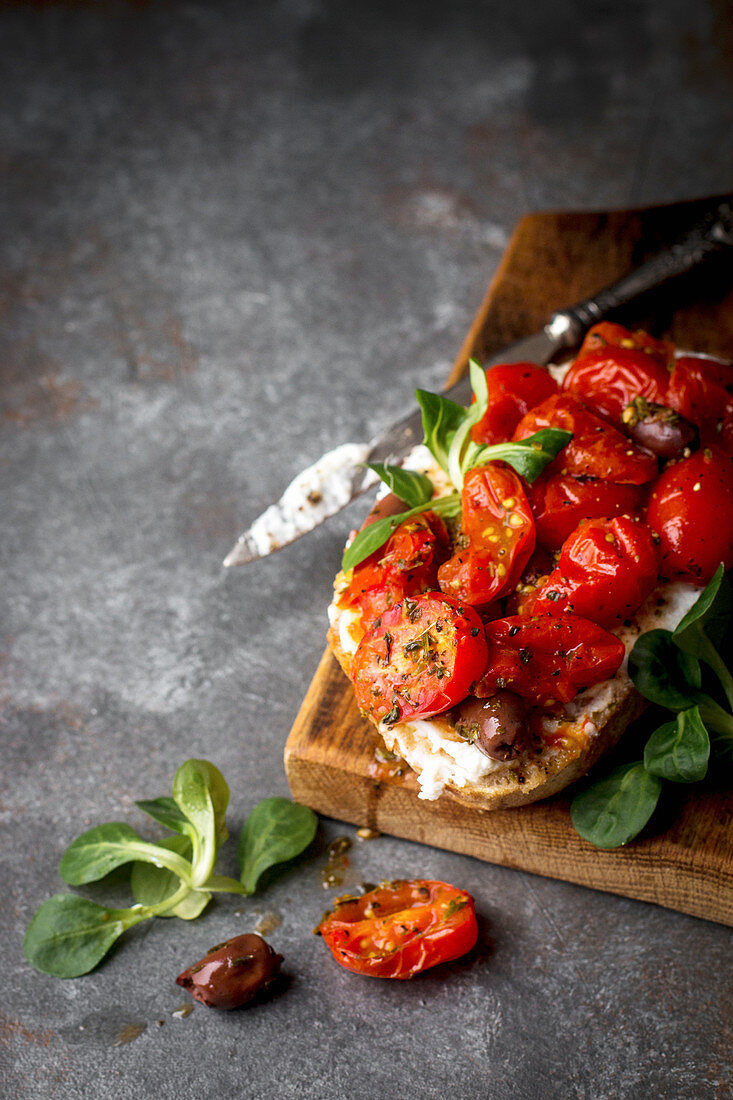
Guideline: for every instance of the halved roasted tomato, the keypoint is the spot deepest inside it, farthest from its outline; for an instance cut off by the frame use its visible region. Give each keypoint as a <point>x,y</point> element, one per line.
<point>496,539</point>
<point>609,334</point>
<point>418,658</point>
<point>401,928</point>
<point>615,365</point>
<point>560,502</point>
<point>406,564</point>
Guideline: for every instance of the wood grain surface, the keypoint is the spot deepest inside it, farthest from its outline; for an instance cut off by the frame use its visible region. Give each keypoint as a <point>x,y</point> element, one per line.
<point>685,859</point>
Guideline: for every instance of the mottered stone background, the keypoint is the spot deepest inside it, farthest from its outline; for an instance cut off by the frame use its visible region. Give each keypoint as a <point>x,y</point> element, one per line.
<point>235,235</point>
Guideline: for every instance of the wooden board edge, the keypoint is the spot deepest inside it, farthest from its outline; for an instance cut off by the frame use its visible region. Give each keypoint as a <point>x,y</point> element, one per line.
<point>698,891</point>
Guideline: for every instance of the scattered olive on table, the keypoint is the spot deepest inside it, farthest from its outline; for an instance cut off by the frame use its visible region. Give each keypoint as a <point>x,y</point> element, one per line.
<point>234,973</point>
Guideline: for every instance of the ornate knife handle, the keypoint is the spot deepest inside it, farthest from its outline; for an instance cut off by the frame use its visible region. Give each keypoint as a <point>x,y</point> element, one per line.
<point>710,236</point>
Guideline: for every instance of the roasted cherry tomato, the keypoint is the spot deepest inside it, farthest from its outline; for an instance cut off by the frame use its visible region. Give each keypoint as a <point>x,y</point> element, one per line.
<point>547,659</point>
<point>497,536</point>
<point>401,928</point>
<point>609,379</point>
<point>605,571</point>
<point>559,503</point>
<point>691,509</point>
<point>514,388</point>
<point>418,658</point>
<point>608,333</point>
<point>701,390</point>
<point>406,564</point>
<point>596,450</point>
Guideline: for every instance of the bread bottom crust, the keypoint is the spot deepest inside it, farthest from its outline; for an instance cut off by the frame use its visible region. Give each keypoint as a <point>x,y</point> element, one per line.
<point>580,737</point>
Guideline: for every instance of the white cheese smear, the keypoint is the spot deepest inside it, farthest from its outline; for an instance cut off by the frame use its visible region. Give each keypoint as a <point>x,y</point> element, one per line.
<point>310,498</point>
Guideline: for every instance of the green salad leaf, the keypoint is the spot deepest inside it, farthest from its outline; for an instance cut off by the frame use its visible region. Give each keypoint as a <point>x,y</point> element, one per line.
<point>611,811</point>
<point>679,750</point>
<point>275,832</point>
<point>665,667</point>
<point>414,488</point>
<point>69,935</point>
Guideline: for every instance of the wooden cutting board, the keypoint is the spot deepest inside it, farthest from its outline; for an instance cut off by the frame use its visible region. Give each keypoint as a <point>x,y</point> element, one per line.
<point>685,859</point>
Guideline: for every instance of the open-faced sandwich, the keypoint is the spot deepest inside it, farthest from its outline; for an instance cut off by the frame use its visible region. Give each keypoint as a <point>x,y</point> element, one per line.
<point>485,611</point>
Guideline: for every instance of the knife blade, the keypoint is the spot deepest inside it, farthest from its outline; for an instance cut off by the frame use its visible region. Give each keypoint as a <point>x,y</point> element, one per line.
<point>323,489</point>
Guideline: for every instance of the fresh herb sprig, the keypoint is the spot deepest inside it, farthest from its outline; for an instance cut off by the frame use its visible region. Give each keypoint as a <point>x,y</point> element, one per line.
<point>70,935</point>
<point>447,427</point>
<point>665,667</point>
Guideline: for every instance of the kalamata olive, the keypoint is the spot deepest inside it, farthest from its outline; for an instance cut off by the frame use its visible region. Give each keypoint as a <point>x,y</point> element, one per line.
<point>389,505</point>
<point>496,726</point>
<point>661,430</point>
<point>233,973</point>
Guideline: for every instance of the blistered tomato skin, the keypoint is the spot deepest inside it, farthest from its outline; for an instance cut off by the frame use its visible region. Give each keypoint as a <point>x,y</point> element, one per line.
<point>606,569</point>
<point>701,390</point>
<point>233,973</point>
<point>497,537</point>
<point>609,334</point>
<point>609,379</point>
<point>560,502</point>
<point>547,659</point>
<point>596,450</point>
<point>406,564</point>
<point>514,388</point>
<point>401,928</point>
<point>419,658</point>
<point>691,511</point>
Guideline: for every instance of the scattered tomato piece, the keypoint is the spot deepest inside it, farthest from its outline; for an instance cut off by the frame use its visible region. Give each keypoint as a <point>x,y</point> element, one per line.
<point>401,928</point>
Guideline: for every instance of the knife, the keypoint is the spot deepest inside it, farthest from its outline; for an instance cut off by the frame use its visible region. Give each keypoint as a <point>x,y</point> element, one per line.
<point>341,475</point>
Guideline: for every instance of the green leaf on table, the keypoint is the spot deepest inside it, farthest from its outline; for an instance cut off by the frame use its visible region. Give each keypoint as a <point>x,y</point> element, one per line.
<point>69,935</point>
<point>612,810</point>
<point>276,831</point>
<point>101,849</point>
<point>662,672</point>
<point>152,886</point>
<point>409,485</point>
<point>202,795</point>
<point>441,419</point>
<point>679,750</point>
<point>165,812</point>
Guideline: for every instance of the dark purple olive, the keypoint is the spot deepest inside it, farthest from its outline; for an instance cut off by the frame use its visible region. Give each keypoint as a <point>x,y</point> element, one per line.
<point>233,973</point>
<point>661,430</point>
<point>389,505</point>
<point>497,725</point>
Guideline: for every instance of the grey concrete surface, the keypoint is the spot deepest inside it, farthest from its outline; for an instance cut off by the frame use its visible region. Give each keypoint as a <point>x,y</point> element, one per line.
<point>234,235</point>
